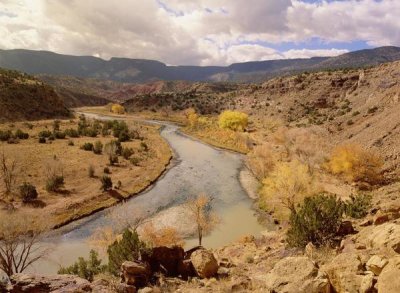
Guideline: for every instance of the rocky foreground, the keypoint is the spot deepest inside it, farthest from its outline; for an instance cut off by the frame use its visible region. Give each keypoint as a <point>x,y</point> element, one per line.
<point>367,260</point>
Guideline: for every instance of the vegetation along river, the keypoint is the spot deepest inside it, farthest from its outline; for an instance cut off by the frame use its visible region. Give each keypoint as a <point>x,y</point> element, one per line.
<point>196,168</point>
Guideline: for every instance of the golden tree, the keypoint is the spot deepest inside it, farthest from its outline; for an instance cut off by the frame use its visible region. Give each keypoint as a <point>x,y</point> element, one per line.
<point>201,212</point>
<point>117,109</point>
<point>233,120</point>
<point>164,236</point>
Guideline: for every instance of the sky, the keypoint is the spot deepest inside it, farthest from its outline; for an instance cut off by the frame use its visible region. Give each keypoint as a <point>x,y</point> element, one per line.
<point>201,32</point>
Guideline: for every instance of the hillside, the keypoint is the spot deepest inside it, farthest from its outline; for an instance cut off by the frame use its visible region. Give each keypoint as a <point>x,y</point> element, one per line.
<point>359,106</point>
<point>23,97</point>
<point>140,71</point>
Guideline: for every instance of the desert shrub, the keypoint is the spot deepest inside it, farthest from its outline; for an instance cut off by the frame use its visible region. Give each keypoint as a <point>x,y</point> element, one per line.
<point>56,125</point>
<point>128,248</point>
<point>106,183</point>
<point>135,161</point>
<point>87,146</point>
<point>59,134</point>
<point>85,269</point>
<point>90,132</point>
<point>143,146</point>
<point>45,133</point>
<point>356,164</point>
<point>261,161</point>
<point>20,134</point>
<point>42,139</point>
<point>165,236</point>
<point>127,153</point>
<point>71,132</point>
<point>117,109</point>
<point>120,130</point>
<point>98,147</point>
<point>54,183</point>
<point>317,221</point>
<point>5,135</point>
<point>51,137</point>
<point>192,117</point>
<point>70,143</point>
<point>358,205</point>
<point>286,186</point>
<point>91,171</point>
<point>28,125</point>
<point>27,192</point>
<point>106,170</point>
<point>13,140</point>
<point>123,136</point>
<point>233,120</point>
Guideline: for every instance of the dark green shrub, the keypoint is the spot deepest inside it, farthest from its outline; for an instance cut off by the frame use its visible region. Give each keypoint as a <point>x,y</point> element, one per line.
<point>56,125</point>
<point>70,143</point>
<point>45,133</point>
<point>27,192</point>
<point>98,147</point>
<point>127,153</point>
<point>106,170</point>
<point>5,135</point>
<point>129,248</point>
<point>71,132</point>
<point>42,139</point>
<point>106,183</point>
<point>13,140</point>
<point>85,269</point>
<point>144,146</point>
<point>358,205</point>
<point>91,132</point>
<point>135,161</point>
<point>87,146</point>
<point>123,136</point>
<point>59,135</point>
<point>54,183</point>
<point>316,221</point>
<point>20,134</point>
<point>91,171</point>
<point>52,137</point>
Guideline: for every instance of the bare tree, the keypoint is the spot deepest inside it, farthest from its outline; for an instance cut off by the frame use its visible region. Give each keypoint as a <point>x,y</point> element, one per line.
<point>200,210</point>
<point>19,243</point>
<point>8,171</point>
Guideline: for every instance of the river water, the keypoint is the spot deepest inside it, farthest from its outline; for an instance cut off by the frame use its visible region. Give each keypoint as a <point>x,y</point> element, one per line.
<point>196,168</point>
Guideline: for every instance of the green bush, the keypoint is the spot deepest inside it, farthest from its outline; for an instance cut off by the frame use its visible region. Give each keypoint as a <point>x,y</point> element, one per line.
<point>129,248</point>
<point>54,183</point>
<point>91,171</point>
<point>87,146</point>
<point>316,221</point>
<point>358,205</point>
<point>5,135</point>
<point>27,192</point>
<point>127,153</point>
<point>52,137</point>
<point>72,132</point>
<point>20,134</point>
<point>98,148</point>
<point>70,143</point>
<point>59,134</point>
<point>85,269</point>
<point>106,183</point>
<point>107,170</point>
<point>135,161</point>
<point>45,133</point>
<point>42,139</point>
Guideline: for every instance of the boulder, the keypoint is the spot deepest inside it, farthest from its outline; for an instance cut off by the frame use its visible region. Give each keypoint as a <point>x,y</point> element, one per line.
<point>381,218</point>
<point>345,272</point>
<point>204,263</point>
<point>345,228</point>
<point>389,280</point>
<point>386,235</point>
<point>166,260</point>
<point>376,264</point>
<point>124,288</point>
<point>367,283</point>
<point>135,273</point>
<point>40,283</point>
<point>296,274</point>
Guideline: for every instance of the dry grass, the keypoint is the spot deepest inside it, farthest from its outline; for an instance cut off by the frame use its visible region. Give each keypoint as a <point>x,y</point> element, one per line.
<point>81,195</point>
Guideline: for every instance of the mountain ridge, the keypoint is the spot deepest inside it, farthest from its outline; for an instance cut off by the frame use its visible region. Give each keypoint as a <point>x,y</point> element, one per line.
<point>145,70</point>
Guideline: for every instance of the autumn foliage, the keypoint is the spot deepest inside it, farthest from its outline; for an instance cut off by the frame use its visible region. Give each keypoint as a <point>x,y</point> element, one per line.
<point>117,109</point>
<point>233,120</point>
<point>356,164</point>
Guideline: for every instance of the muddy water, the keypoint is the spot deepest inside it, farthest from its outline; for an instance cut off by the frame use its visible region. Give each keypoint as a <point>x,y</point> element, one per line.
<point>196,168</point>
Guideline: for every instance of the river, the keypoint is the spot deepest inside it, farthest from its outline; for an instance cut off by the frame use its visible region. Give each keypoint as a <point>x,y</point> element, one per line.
<point>196,168</point>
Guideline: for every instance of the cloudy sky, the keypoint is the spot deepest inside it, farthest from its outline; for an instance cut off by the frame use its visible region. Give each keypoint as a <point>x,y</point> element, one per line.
<point>199,32</point>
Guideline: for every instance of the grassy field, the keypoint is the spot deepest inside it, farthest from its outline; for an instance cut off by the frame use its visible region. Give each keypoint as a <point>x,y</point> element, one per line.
<point>81,194</point>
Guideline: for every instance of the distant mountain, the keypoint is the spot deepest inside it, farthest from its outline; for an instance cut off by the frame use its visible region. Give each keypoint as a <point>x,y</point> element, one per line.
<point>23,97</point>
<point>139,70</point>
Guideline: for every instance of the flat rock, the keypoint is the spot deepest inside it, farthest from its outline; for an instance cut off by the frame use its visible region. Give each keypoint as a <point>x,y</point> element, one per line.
<point>376,264</point>
<point>389,279</point>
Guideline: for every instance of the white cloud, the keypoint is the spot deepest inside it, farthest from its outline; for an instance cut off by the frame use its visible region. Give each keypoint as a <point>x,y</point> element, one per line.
<point>206,32</point>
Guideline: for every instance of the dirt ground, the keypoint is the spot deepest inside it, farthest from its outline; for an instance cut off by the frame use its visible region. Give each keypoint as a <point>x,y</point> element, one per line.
<point>81,194</point>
